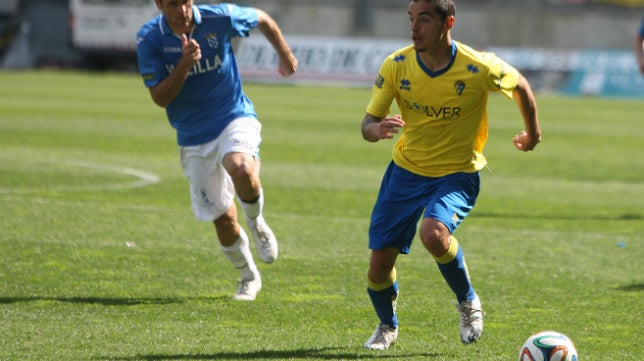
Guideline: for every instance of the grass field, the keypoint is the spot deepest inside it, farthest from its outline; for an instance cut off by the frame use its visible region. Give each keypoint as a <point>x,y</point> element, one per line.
<point>101,258</point>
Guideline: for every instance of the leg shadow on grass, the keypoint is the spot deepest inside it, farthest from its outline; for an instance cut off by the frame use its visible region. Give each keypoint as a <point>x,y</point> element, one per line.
<point>633,287</point>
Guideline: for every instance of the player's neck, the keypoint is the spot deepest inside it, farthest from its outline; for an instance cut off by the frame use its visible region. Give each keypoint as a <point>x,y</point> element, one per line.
<point>180,27</point>
<point>437,58</point>
<point>183,29</point>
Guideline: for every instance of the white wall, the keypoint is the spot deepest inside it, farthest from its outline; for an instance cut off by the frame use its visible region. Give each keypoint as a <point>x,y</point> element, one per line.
<point>551,27</point>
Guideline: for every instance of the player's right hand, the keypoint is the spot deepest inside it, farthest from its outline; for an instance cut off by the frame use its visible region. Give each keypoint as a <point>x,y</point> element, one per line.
<point>389,126</point>
<point>190,50</point>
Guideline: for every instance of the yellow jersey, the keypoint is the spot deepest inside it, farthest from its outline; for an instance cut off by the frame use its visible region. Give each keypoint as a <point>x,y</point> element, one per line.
<point>445,112</point>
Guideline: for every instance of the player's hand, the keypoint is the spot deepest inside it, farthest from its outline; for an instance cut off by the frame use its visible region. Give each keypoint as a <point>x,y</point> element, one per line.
<point>525,141</point>
<point>287,65</point>
<point>389,126</point>
<point>190,50</point>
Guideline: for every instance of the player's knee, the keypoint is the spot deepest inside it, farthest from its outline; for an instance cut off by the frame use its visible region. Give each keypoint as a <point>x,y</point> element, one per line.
<point>435,239</point>
<point>239,166</point>
<point>381,279</point>
<point>376,277</point>
<point>227,222</point>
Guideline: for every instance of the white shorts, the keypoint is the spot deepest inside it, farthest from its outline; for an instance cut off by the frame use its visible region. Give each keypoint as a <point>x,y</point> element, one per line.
<point>211,189</point>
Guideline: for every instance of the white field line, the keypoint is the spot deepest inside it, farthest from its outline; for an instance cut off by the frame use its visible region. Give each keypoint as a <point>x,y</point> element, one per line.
<point>142,179</point>
<point>40,201</point>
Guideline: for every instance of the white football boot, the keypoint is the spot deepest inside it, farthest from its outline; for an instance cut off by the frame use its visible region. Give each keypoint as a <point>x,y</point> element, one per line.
<point>248,289</point>
<point>383,337</point>
<point>471,323</point>
<point>265,241</point>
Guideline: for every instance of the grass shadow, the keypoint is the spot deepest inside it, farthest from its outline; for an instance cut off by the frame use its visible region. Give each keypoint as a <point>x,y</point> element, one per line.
<point>106,301</point>
<point>633,287</point>
<point>327,353</point>
<point>555,216</point>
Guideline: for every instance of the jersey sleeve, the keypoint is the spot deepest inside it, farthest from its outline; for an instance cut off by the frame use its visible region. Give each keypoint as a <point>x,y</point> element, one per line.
<point>502,77</point>
<point>243,19</point>
<point>382,92</point>
<point>150,63</point>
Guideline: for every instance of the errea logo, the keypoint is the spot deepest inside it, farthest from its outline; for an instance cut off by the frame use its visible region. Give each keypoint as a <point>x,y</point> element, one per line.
<point>405,84</point>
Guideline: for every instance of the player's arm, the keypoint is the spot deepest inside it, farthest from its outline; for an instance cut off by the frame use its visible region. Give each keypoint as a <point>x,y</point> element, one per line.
<point>531,136</point>
<point>272,32</point>
<point>639,51</point>
<point>164,93</point>
<point>375,128</point>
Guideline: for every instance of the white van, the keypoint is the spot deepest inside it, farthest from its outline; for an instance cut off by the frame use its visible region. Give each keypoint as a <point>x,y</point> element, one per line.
<point>9,7</point>
<point>104,31</point>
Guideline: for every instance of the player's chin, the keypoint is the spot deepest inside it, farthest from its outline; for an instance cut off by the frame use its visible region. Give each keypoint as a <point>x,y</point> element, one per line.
<point>418,45</point>
<point>420,49</point>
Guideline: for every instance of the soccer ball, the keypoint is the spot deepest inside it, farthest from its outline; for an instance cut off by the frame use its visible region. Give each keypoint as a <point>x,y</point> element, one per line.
<point>548,346</point>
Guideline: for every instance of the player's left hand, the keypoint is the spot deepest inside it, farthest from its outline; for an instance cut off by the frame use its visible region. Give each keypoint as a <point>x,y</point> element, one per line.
<point>525,141</point>
<point>287,66</point>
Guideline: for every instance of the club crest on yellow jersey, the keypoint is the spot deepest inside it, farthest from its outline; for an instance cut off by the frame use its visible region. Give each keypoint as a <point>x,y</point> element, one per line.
<point>459,85</point>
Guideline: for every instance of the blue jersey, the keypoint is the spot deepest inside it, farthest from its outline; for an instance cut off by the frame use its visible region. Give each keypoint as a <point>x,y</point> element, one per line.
<point>212,95</point>
<point>641,32</point>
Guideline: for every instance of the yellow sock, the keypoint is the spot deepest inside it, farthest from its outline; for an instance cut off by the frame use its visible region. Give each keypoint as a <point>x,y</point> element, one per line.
<point>450,254</point>
<point>385,284</point>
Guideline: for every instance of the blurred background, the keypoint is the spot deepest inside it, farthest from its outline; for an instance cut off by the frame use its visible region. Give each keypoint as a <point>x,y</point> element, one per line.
<point>571,46</point>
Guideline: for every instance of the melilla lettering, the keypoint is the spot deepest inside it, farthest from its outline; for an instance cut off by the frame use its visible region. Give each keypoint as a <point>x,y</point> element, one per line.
<point>204,66</point>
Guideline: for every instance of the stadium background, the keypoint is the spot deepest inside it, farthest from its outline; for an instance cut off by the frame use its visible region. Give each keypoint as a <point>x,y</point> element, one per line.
<point>569,46</point>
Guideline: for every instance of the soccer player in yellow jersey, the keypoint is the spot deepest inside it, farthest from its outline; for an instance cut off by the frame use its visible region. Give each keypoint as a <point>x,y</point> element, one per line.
<point>441,87</point>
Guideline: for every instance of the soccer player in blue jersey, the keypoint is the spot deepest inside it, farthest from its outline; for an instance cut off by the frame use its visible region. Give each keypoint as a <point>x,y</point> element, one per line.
<point>639,48</point>
<point>441,87</point>
<point>187,63</point>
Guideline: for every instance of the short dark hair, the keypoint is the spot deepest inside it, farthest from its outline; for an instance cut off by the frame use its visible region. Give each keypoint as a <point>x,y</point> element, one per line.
<point>444,8</point>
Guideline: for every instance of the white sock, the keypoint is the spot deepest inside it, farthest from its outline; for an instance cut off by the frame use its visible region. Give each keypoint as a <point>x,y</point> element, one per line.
<point>240,256</point>
<point>253,210</point>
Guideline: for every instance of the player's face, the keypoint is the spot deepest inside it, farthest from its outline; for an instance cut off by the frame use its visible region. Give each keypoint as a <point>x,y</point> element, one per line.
<point>178,14</point>
<point>427,28</point>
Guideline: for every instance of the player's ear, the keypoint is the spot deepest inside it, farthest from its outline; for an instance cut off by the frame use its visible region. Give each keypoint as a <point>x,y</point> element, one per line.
<point>449,22</point>
<point>159,4</point>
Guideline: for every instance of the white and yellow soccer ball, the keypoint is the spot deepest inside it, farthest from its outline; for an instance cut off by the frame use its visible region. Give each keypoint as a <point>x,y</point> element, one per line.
<point>548,346</point>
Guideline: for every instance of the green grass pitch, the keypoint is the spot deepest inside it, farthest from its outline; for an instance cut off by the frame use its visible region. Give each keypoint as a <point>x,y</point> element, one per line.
<point>101,258</point>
